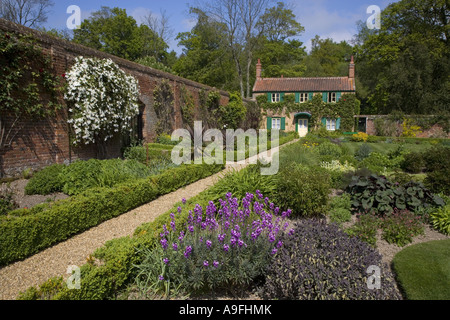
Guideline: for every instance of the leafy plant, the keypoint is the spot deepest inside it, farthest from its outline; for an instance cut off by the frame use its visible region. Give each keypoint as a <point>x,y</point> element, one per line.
<point>413,162</point>
<point>379,194</point>
<point>365,228</point>
<point>360,137</point>
<point>328,149</point>
<point>321,262</point>
<point>7,202</point>
<point>363,152</point>
<point>222,247</point>
<point>440,219</point>
<point>340,209</point>
<point>46,181</point>
<point>305,189</point>
<point>400,227</point>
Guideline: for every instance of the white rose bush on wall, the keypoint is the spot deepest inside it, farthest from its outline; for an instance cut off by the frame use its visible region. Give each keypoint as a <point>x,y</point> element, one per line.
<point>102,100</point>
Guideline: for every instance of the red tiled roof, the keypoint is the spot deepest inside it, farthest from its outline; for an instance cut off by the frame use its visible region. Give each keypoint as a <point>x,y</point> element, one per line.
<point>304,84</point>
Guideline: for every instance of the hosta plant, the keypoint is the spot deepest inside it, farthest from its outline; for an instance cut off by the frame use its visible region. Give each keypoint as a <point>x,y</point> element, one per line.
<point>440,219</point>
<point>224,247</point>
<point>318,261</point>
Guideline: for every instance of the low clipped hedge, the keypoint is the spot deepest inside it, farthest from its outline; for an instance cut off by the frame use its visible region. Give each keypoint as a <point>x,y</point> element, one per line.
<point>23,235</point>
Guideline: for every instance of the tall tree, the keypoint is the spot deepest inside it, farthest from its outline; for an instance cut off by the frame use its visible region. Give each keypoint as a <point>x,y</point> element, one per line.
<point>113,31</point>
<point>405,65</point>
<point>30,13</point>
<point>206,57</point>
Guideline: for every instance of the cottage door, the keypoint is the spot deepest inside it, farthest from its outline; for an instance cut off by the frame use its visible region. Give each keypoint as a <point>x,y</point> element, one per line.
<point>302,127</point>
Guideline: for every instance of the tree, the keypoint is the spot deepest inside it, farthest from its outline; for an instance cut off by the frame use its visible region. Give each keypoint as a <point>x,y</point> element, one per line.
<point>111,30</point>
<point>405,65</point>
<point>159,25</point>
<point>30,13</point>
<point>206,57</point>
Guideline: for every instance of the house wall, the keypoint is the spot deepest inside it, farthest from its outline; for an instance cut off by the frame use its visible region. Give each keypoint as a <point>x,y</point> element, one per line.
<point>41,143</point>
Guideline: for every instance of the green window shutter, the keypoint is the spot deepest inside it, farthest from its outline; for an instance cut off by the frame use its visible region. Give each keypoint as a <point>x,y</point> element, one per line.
<point>296,126</point>
<point>324,122</point>
<point>338,123</point>
<point>283,123</point>
<point>269,97</point>
<point>311,95</point>
<point>338,96</point>
<point>269,123</point>
<point>325,96</point>
<point>282,97</point>
<point>297,97</point>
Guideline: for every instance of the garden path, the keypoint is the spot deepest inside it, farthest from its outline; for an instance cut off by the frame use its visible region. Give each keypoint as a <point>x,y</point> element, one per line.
<point>54,261</point>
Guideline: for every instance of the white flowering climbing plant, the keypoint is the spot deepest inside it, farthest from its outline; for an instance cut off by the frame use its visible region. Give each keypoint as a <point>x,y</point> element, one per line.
<point>102,100</point>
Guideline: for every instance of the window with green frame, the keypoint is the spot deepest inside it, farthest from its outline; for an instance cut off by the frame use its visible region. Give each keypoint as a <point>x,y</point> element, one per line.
<point>276,123</point>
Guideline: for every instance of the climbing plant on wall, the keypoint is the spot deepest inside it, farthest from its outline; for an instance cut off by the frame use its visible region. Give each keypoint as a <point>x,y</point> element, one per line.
<point>187,104</point>
<point>163,97</point>
<point>345,109</point>
<point>102,101</point>
<point>29,89</point>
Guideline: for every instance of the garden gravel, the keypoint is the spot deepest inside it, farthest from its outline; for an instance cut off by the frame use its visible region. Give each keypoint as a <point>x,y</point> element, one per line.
<point>54,261</point>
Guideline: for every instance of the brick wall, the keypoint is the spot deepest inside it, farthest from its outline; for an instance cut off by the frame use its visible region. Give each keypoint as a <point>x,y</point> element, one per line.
<point>41,143</point>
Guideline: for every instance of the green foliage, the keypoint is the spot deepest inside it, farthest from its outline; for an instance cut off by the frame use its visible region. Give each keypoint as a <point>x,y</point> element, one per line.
<point>7,202</point>
<point>299,154</point>
<point>376,162</point>
<point>113,31</point>
<point>232,115</point>
<point>340,209</point>
<point>163,103</point>
<point>21,236</point>
<point>363,152</point>
<point>440,219</point>
<point>413,162</point>
<point>155,152</point>
<point>187,107</point>
<point>328,150</point>
<point>401,227</point>
<point>304,189</point>
<point>365,229</point>
<point>379,194</point>
<point>46,181</point>
<point>152,62</point>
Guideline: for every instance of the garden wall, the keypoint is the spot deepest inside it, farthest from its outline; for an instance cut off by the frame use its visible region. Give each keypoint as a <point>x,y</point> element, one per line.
<point>40,143</point>
<point>368,124</point>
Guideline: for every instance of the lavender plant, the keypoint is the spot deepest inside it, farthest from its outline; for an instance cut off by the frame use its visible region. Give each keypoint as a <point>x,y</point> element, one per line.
<point>224,247</point>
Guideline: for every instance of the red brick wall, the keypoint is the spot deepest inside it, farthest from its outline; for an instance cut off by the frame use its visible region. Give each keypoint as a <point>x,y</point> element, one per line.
<point>41,143</point>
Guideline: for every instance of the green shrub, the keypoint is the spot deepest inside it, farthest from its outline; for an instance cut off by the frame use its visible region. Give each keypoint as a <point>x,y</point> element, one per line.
<point>320,262</point>
<point>46,181</point>
<point>25,235</point>
<point>154,153</point>
<point>328,149</point>
<point>376,162</point>
<point>340,215</point>
<point>438,181</point>
<point>440,219</point>
<point>437,158</point>
<point>304,189</point>
<point>413,162</point>
<point>363,152</point>
<point>299,154</point>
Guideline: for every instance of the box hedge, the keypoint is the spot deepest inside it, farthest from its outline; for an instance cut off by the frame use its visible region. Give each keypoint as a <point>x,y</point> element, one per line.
<point>24,235</point>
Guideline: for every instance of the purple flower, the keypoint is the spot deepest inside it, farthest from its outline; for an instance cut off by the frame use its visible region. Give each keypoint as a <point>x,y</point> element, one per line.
<point>279,244</point>
<point>172,225</point>
<point>205,263</point>
<point>179,209</point>
<point>241,243</point>
<point>175,246</point>
<point>181,237</point>
<point>226,247</point>
<point>164,243</point>
<point>166,261</point>
<point>233,241</point>
<point>208,244</point>
<point>191,229</point>
<point>274,251</point>
<point>188,251</point>
<point>215,264</point>
<point>221,237</point>
<point>183,201</point>
<point>161,278</point>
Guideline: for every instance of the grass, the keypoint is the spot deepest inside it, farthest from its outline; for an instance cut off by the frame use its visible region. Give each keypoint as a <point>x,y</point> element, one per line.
<point>385,148</point>
<point>423,270</point>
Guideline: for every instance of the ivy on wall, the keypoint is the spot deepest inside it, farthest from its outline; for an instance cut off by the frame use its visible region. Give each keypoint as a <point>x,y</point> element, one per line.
<point>187,105</point>
<point>29,88</point>
<point>346,108</point>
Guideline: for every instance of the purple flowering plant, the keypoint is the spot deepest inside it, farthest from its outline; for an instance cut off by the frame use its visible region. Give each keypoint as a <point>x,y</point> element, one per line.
<point>224,246</point>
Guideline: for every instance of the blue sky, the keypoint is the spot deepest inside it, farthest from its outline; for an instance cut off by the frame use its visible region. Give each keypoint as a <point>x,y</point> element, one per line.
<point>326,18</point>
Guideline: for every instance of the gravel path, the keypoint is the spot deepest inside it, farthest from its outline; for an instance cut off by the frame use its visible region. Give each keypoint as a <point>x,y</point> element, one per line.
<point>54,261</point>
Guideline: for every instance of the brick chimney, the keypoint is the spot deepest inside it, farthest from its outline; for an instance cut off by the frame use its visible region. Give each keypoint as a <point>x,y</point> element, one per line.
<point>351,71</point>
<point>258,70</point>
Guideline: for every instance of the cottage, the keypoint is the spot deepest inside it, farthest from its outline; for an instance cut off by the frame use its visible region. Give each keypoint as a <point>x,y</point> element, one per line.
<point>331,89</point>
